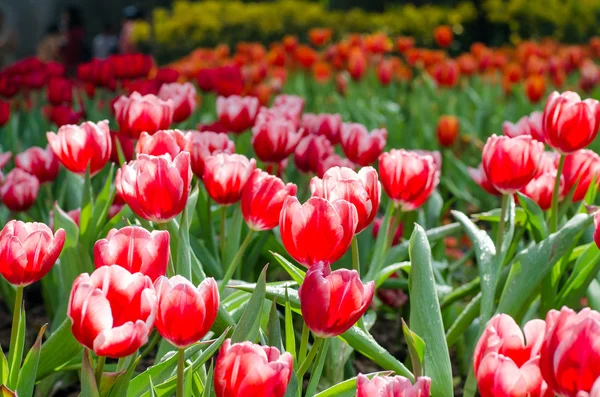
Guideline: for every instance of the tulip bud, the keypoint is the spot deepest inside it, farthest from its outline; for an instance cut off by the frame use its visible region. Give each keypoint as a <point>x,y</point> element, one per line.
<point>178,302</point>
<point>135,249</point>
<point>83,146</point>
<point>162,143</point>
<point>112,311</point>
<point>136,114</point>
<point>20,190</point>
<point>247,369</point>
<point>447,130</point>
<point>408,178</point>
<point>311,150</point>
<point>318,230</point>
<point>262,200</point>
<point>332,302</point>
<point>570,351</point>
<point>569,123</point>
<point>392,386</point>
<point>361,189</point>
<point>155,188</point>
<point>579,170</point>
<point>28,251</point>
<point>357,64</point>
<point>203,144</point>
<point>237,113</point>
<point>41,163</point>
<point>359,145</point>
<point>183,97</point>
<point>511,163</point>
<point>505,360</point>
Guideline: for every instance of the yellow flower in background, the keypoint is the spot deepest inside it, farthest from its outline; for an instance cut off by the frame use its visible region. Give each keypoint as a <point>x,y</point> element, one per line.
<point>141,31</point>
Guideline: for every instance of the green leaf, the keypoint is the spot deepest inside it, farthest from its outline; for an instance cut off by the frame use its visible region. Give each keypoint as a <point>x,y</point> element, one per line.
<point>347,388</point>
<point>3,367</point>
<point>494,216</point>
<point>464,320</point>
<point>386,272</point>
<point>484,254</point>
<point>58,350</point>
<point>531,265</point>
<point>27,373</point>
<point>425,315</point>
<point>15,354</point>
<point>87,209</point>
<point>102,203</point>
<point>108,381</point>
<point>399,252</point>
<point>88,381</point>
<point>295,273</point>
<point>249,324</point>
<point>535,217</point>
<point>234,230</point>
<point>274,327</point>
<point>416,349</point>
<point>290,335</point>
<point>317,370</point>
<point>585,271</point>
<point>183,264</point>
<point>381,244</point>
<point>122,386</point>
<point>208,387</point>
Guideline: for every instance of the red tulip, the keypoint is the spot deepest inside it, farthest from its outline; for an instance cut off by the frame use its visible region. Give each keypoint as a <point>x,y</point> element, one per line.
<point>19,190</point>
<point>511,163</point>
<point>156,188</point>
<point>446,73</point>
<point>225,176</point>
<point>408,178</point>
<point>274,139</point>
<point>41,163</point>
<point>318,230</point>
<point>135,249</point>
<point>333,160</point>
<point>595,390</point>
<point>443,36</point>
<point>361,189</point>
<point>201,145</point>
<point>167,143</point>
<point>237,113</point>
<point>579,170</point>
<point>447,130</point>
<point>540,189</point>
<point>535,87</point>
<point>167,75</point>
<point>131,66</point>
<point>527,125</point>
<point>136,114</point>
<point>569,123</point>
<point>228,80</point>
<point>357,64</point>
<point>112,311</point>
<point>178,302</point>
<point>60,91</point>
<point>183,97</point>
<point>246,369</point>
<point>385,72</point>
<point>332,302</point>
<point>4,112</point>
<point>262,200</point>
<point>597,228</point>
<point>506,364</point>
<point>63,115</point>
<point>312,150</point>
<point>79,146</point>
<point>323,124</point>
<point>480,178</point>
<point>570,352</point>
<point>28,251</point>
<point>359,145</point>
<point>392,386</point>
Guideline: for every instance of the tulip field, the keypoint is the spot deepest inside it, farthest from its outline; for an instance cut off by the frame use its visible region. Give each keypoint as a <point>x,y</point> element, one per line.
<point>361,217</point>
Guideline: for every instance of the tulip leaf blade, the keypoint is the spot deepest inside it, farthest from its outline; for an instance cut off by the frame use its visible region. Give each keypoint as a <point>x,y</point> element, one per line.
<point>386,272</point>
<point>382,244</point>
<point>3,367</point>
<point>15,352</point>
<point>87,209</point>
<point>535,217</point>
<point>585,271</point>
<point>210,378</point>
<point>464,320</point>
<point>290,335</point>
<point>531,265</point>
<point>121,387</point>
<point>317,370</point>
<point>426,316</point>
<point>248,326</point>
<point>234,231</point>
<point>28,371</point>
<point>274,327</point>
<point>183,263</point>
<point>89,388</point>
<point>102,203</point>
<point>347,388</point>
<point>416,349</point>
<point>58,350</point>
<point>295,273</point>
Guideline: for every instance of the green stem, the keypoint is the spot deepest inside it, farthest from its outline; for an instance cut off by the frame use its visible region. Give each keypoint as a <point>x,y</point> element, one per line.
<point>555,193</point>
<point>236,261</point>
<point>180,371</point>
<point>355,255</point>
<point>310,358</point>
<point>303,343</point>
<point>501,225</point>
<point>14,361</point>
<point>222,233</point>
<point>100,369</point>
<point>150,346</point>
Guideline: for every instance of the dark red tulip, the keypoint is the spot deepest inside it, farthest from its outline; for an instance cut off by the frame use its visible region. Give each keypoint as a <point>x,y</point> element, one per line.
<point>63,115</point>
<point>361,146</point>
<point>4,112</point>
<point>60,91</point>
<point>167,75</point>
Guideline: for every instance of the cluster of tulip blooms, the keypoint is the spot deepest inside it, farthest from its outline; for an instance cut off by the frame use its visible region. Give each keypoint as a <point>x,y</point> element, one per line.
<point>142,284</point>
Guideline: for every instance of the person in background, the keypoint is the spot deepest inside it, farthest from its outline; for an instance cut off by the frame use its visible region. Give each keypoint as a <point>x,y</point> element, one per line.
<point>73,48</point>
<point>8,38</point>
<point>126,43</point>
<point>49,46</point>
<point>105,43</point>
